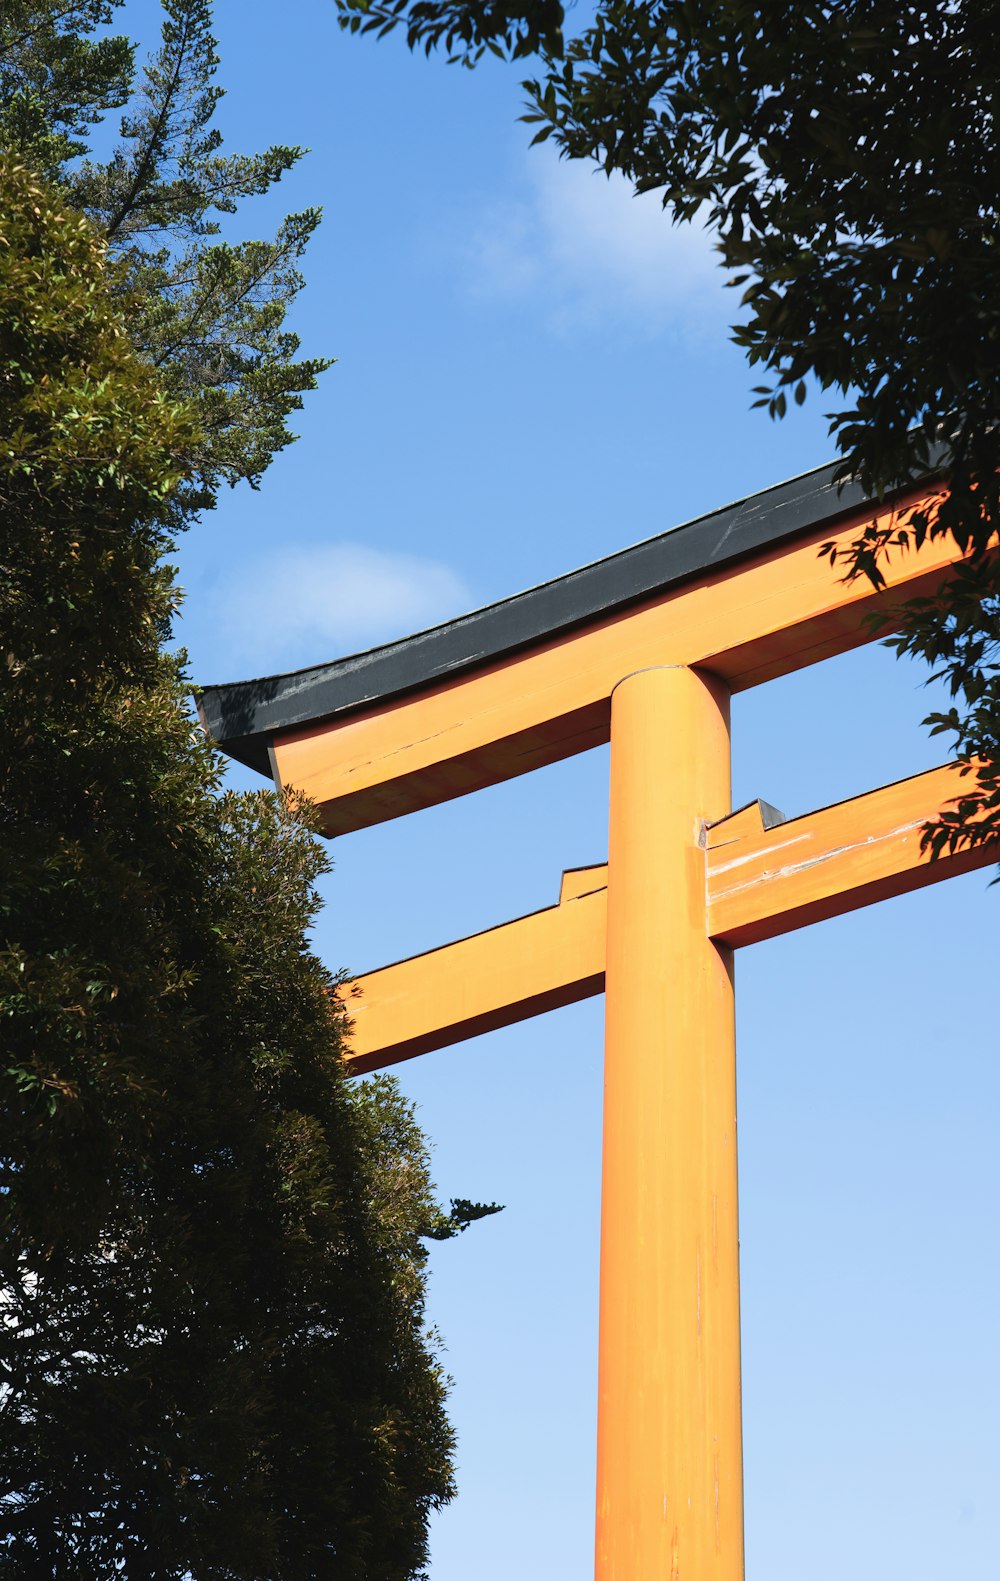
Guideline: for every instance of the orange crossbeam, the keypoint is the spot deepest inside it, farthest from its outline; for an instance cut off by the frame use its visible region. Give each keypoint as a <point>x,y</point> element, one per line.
<point>746,623</point>
<point>761,882</point>
<point>766,882</point>
<point>550,958</point>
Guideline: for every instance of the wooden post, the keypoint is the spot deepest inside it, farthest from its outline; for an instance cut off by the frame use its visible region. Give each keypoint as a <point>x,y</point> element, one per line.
<point>669,1452</point>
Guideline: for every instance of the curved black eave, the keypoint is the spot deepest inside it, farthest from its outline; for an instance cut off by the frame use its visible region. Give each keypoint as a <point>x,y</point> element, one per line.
<point>244,716</point>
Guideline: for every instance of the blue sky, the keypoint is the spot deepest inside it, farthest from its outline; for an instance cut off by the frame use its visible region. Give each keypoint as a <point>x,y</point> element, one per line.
<point>533,370</point>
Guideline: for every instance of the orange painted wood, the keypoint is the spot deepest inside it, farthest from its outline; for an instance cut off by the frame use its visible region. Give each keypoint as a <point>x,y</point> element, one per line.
<point>669,1434</point>
<point>551,958</point>
<point>577,881</point>
<point>747,623</point>
<point>762,883</point>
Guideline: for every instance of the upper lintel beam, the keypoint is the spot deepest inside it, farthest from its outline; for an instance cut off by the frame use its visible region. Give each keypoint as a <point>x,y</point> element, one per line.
<point>747,622</point>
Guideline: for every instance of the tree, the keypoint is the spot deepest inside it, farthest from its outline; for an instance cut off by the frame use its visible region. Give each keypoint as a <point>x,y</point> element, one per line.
<point>213,1352</point>
<point>214,1360</point>
<point>845,153</point>
<point>208,313</point>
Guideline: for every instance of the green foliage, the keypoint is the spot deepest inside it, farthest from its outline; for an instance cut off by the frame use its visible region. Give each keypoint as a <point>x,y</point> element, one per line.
<point>465,30</point>
<point>212,1342</point>
<point>55,79</point>
<point>208,313</point>
<point>959,633</point>
<point>845,153</point>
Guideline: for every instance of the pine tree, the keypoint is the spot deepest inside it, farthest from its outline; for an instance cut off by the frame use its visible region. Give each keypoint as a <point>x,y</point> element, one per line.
<point>208,313</point>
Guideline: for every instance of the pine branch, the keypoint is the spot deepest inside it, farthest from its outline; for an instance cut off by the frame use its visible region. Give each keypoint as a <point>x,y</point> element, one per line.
<point>149,153</point>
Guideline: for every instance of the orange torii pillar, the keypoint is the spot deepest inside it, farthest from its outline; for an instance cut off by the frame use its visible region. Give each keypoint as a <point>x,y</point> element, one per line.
<point>669,1445</point>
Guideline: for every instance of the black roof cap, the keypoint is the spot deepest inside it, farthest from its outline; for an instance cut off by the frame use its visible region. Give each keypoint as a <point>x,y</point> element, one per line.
<point>243,716</point>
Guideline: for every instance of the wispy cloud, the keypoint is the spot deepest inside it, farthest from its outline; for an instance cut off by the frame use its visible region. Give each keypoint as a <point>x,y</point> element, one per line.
<point>308,602</point>
<point>588,251</point>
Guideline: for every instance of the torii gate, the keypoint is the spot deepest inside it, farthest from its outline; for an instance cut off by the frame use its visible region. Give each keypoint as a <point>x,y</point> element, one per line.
<point>643,648</point>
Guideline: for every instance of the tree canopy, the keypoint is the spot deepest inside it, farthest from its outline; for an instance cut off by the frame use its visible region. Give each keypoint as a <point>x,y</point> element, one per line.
<point>845,154</point>
<point>214,1362</point>
<point>212,1343</point>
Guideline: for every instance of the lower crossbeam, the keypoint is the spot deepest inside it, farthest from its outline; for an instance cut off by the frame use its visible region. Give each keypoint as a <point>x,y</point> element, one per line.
<point>763,878</point>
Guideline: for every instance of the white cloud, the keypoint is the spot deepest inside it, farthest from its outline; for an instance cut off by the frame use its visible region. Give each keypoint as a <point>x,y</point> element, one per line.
<point>589,251</point>
<point>308,602</point>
